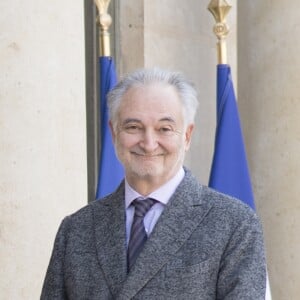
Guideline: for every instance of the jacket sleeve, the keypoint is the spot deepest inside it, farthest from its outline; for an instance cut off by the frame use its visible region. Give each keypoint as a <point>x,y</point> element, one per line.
<point>53,287</point>
<point>242,273</point>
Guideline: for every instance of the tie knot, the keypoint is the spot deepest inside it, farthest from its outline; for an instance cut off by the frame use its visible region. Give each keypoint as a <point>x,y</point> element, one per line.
<point>142,206</point>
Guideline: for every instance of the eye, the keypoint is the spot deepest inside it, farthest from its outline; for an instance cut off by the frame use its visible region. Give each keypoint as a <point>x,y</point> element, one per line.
<point>166,130</point>
<point>133,128</point>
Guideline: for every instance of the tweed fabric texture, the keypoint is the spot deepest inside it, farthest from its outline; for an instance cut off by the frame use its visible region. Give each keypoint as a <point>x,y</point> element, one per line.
<point>205,246</point>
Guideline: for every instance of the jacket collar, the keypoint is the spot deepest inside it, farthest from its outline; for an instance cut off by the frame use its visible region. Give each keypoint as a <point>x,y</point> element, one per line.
<point>109,222</point>
<point>184,212</point>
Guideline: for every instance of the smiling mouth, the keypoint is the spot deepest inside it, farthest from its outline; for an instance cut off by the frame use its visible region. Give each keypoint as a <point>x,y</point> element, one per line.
<point>143,155</point>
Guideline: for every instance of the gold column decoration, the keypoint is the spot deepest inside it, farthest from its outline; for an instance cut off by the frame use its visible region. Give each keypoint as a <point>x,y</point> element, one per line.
<point>104,21</point>
<point>220,9</point>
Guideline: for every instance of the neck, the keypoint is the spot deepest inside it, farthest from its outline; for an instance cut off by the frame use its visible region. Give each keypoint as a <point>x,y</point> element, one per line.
<point>148,184</point>
<point>144,186</point>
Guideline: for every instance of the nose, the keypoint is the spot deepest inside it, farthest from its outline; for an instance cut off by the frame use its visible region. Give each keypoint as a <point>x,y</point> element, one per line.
<point>149,141</point>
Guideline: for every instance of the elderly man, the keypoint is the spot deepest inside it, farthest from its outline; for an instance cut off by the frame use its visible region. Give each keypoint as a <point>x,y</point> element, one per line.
<point>161,234</point>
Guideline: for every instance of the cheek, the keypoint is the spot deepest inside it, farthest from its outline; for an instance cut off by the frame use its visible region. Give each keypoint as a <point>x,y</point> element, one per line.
<point>174,145</point>
<point>127,141</point>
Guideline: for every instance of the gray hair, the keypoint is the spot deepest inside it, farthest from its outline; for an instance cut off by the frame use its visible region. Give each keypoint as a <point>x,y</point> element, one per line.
<point>142,77</point>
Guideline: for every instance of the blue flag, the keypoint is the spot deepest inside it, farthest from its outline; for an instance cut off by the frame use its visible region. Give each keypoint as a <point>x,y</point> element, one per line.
<point>229,171</point>
<point>110,169</point>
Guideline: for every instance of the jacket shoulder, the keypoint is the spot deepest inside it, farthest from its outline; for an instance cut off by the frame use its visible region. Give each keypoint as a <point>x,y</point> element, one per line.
<point>86,212</point>
<point>222,204</point>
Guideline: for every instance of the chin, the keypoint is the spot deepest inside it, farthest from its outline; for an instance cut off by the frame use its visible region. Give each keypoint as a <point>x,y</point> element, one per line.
<point>146,172</point>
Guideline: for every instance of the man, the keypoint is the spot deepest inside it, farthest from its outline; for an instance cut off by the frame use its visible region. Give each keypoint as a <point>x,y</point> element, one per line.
<point>192,242</point>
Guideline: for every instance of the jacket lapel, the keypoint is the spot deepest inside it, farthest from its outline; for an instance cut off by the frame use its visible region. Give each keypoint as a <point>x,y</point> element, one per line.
<point>177,222</point>
<point>109,220</point>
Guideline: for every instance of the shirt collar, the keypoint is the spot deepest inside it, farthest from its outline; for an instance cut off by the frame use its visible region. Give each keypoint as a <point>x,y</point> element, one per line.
<point>162,194</point>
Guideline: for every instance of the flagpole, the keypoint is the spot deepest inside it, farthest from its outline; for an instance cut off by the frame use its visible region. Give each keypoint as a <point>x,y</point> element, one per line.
<point>111,172</point>
<point>104,22</point>
<point>220,9</point>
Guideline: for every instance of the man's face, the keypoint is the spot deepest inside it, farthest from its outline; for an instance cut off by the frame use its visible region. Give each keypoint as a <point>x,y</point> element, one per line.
<point>150,135</point>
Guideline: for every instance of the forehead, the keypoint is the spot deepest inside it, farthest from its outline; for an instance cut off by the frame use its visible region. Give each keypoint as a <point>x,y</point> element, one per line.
<point>155,97</point>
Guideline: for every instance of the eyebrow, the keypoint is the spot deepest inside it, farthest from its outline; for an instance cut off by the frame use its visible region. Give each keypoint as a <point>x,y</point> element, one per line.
<point>133,120</point>
<point>167,119</point>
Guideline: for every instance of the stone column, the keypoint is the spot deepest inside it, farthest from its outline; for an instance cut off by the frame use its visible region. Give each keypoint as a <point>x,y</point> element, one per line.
<point>43,135</point>
<point>269,76</point>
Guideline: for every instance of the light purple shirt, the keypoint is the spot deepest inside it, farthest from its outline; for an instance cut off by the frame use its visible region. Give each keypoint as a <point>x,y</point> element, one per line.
<point>162,195</point>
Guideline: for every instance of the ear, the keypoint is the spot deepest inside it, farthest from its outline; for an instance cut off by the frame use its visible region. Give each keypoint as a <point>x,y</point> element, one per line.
<point>188,136</point>
<point>112,131</point>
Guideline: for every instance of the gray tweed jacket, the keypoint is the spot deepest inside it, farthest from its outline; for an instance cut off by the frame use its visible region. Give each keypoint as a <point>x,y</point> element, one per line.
<point>204,246</point>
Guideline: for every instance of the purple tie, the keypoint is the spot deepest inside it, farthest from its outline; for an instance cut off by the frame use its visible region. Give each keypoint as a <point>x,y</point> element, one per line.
<point>138,234</point>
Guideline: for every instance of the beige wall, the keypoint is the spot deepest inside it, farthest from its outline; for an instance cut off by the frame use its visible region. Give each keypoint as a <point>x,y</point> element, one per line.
<point>42,135</point>
<point>269,77</point>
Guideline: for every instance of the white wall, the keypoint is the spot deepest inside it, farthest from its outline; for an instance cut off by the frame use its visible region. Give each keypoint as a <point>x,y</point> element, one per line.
<point>42,135</point>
